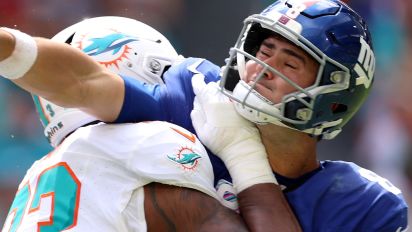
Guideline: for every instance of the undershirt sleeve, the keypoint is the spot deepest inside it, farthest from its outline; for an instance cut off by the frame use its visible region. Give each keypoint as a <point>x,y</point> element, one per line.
<point>142,102</point>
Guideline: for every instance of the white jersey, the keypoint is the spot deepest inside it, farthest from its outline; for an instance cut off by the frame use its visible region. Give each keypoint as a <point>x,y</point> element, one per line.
<point>94,180</point>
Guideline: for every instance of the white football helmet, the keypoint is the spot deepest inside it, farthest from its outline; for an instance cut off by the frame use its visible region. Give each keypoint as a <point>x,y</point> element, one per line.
<point>125,46</point>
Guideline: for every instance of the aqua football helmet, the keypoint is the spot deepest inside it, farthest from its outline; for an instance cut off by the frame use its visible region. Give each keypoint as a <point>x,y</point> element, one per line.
<point>125,46</point>
<point>330,32</point>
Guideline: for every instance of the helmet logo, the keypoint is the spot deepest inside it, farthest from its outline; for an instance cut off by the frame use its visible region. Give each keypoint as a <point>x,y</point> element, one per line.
<point>365,68</point>
<point>109,49</point>
<point>298,7</point>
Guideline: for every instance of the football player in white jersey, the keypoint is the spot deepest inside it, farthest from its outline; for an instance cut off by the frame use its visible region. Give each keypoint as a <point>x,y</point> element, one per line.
<point>253,176</point>
<point>101,177</point>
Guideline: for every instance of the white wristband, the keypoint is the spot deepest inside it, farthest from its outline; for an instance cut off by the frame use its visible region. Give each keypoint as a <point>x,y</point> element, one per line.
<point>22,58</point>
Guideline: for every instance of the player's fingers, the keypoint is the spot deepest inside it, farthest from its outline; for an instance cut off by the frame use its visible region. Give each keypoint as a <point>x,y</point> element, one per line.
<point>198,116</point>
<point>198,83</point>
<point>210,94</point>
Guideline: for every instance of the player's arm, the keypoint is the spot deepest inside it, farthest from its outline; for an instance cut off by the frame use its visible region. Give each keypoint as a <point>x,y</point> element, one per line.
<point>265,208</point>
<point>171,208</point>
<point>237,142</point>
<point>61,74</point>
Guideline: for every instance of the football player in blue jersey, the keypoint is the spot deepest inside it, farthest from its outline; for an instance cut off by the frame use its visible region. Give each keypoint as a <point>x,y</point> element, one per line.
<point>299,70</point>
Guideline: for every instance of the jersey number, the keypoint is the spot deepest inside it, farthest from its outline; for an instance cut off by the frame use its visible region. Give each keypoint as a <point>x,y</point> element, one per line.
<point>60,184</point>
<point>380,180</point>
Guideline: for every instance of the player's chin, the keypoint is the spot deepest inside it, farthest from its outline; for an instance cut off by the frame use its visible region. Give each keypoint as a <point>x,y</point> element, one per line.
<point>266,92</point>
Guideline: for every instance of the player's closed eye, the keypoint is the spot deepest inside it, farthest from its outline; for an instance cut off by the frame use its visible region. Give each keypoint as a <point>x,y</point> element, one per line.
<point>291,65</point>
<point>262,55</point>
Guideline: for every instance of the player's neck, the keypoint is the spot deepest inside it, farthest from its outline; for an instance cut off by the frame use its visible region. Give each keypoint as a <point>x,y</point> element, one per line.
<point>291,153</point>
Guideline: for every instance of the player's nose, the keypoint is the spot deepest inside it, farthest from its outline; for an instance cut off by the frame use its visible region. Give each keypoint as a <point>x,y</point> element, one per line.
<point>265,73</point>
<point>268,75</point>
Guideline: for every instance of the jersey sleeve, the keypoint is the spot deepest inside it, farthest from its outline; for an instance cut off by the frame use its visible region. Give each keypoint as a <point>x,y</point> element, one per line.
<point>389,213</point>
<point>171,102</point>
<point>345,197</point>
<point>150,152</point>
<point>142,102</point>
<point>388,208</point>
<point>172,155</point>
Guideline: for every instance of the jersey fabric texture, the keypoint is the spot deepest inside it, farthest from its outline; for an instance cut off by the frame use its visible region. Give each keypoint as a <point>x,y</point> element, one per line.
<point>338,196</point>
<point>95,178</point>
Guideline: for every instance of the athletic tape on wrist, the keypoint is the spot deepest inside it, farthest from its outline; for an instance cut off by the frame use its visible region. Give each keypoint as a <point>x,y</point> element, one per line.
<point>248,164</point>
<point>251,173</point>
<point>22,58</point>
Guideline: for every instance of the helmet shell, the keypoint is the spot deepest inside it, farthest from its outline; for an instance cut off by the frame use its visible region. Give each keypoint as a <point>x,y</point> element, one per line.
<point>335,36</point>
<point>125,46</point>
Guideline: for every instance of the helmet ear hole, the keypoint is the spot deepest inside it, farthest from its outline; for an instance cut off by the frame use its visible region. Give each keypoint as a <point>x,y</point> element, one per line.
<point>232,78</point>
<point>332,38</point>
<point>70,39</point>
<point>165,70</point>
<point>338,108</point>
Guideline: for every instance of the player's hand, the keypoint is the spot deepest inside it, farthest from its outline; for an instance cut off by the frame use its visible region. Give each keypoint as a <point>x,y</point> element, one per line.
<point>230,136</point>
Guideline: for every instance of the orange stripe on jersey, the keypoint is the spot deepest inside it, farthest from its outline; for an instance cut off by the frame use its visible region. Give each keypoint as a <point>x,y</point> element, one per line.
<point>189,135</point>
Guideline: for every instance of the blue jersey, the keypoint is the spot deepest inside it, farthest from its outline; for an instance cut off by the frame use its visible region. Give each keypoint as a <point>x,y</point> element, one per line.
<point>342,196</point>
<point>338,196</point>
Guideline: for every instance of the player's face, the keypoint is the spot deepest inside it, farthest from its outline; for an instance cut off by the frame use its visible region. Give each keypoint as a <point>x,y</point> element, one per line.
<point>289,60</point>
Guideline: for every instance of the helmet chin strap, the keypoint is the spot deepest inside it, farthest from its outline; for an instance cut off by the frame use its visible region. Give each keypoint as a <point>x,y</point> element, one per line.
<point>260,118</point>
<point>244,98</point>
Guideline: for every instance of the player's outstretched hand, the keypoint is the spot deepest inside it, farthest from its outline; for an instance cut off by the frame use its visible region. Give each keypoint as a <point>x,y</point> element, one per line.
<point>230,136</point>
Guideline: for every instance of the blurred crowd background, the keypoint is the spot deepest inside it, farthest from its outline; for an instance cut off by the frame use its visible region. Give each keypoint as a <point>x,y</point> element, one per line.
<point>379,138</point>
